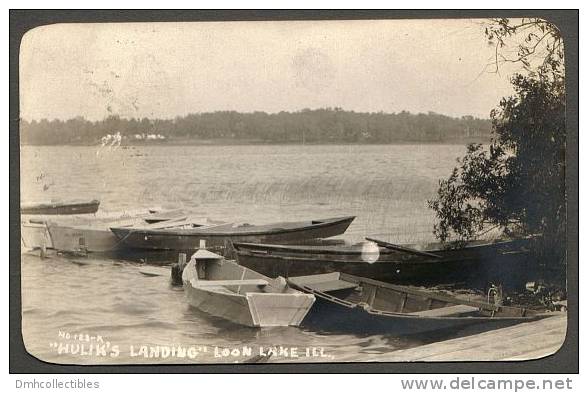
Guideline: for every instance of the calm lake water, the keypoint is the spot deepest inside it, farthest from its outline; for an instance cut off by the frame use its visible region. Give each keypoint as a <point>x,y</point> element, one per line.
<point>110,304</point>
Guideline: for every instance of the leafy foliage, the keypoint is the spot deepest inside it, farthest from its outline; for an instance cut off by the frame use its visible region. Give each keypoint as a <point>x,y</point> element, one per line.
<point>538,46</point>
<point>517,183</point>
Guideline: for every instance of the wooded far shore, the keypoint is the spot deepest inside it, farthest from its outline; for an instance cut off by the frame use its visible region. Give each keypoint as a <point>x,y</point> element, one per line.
<point>321,126</point>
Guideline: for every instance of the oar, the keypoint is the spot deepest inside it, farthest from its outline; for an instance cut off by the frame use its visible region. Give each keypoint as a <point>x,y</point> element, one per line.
<point>403,249</point>
<point>154,271</point>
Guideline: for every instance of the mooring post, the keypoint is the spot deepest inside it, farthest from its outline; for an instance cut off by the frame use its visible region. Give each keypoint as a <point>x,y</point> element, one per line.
<point>182,260</point>
<point>177,269</point>
<point>43,254</point>
<point>229,249</point>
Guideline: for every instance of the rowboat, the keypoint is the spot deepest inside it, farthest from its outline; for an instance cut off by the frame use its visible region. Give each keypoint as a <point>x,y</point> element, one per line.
<point>35,235</point>
<point>421,264</point>
<point>350,303</point>
<point>217,235</point>
<point>227,290</point>
<point>83,234</point>
<point>63,207</point>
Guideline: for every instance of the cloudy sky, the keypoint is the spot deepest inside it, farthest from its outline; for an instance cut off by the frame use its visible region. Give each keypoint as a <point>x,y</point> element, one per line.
<point>165,70</point>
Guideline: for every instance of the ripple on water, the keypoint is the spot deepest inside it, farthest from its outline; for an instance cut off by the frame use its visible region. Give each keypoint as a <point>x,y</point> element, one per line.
<point>386,187</point>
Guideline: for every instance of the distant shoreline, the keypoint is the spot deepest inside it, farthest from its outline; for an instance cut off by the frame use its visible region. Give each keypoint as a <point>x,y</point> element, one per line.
<point>241,142</point>
<point>321,127</point>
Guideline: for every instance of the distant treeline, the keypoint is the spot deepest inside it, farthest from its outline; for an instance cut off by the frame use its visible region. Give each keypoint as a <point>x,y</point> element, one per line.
<point>306,126</point>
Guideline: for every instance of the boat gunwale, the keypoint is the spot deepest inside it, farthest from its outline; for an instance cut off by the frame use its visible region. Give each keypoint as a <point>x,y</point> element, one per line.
<point>54,208</point>
<point>269,281</point>
<point>430,295</point>
<point>407,261</point>
<point>189,232</point>
<point>28,205</point>
<point>248,300</point>
<point>302,249</point>
<point>373,311</point>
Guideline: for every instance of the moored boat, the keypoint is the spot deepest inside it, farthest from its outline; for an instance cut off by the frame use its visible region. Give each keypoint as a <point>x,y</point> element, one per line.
<point>60,207</point>
<point>35,235</point>
<point>227,290</point>
<point>82,234</point>
<point>421,264</point>
<point>218,235</point>
<point>350,303</point>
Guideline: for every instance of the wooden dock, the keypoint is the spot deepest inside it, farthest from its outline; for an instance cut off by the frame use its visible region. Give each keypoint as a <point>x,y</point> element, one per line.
<point>525,341</point>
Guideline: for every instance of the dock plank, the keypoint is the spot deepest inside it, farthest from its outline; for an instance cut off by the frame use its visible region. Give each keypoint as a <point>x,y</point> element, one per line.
<point>502,350</point>
<point>530,340</point>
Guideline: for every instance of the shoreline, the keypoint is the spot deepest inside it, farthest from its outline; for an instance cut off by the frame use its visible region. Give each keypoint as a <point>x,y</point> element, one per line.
<point>226,142</point>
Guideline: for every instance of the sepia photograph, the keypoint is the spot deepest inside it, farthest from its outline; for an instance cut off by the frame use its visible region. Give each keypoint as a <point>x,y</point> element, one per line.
<point>293,191</point>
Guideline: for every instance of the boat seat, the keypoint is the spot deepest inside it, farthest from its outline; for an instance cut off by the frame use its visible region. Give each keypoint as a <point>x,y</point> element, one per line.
<point>445,311</point>
<point>229,283</point>
<point>220,290</point>
<point>335,285</point>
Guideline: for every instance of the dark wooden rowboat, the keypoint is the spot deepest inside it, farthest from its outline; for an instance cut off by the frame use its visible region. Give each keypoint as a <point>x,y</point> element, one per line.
<point>444,265</point>
<point>218,235</point>
<point>53,208</point>
<point>350,303</point>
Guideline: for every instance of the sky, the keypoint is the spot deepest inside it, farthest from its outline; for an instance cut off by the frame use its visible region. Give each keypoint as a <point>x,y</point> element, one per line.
<point>164,70</point>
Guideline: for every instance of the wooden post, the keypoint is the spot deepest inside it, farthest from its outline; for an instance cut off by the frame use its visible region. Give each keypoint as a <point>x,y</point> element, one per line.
<point>177,269</point>
<point>182,260</point>
<point>43,254</point>
<point>229,250</point>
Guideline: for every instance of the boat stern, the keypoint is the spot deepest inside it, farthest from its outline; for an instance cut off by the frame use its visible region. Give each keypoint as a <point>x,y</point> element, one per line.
<point>35,235</point>
<point>281,309</point>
